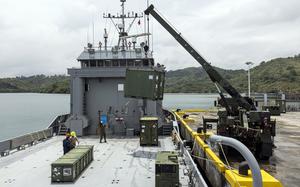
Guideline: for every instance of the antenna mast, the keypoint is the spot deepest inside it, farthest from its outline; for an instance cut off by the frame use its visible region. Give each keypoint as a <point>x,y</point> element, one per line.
<point>148,26</point>
<point>93,33</point>
<point>121,26</point>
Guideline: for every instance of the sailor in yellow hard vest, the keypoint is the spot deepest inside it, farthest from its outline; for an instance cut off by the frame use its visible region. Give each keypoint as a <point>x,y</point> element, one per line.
<point>74,140</point>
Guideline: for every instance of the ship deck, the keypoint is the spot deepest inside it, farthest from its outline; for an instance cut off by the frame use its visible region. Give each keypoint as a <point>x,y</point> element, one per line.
<point>120,162</point>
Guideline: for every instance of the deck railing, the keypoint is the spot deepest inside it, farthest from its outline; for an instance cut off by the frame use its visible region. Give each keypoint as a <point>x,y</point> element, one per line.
<point>20,142</point>
<point>215,169</point>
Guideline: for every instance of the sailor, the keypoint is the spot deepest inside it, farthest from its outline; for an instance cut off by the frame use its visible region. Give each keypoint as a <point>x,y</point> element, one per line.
<point>73,139</point>
<point>67,144</point>
<point>102,131</point>
<point>68,133</point>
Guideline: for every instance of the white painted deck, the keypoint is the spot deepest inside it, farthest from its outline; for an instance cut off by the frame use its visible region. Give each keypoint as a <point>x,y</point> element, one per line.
<point>120,162</point>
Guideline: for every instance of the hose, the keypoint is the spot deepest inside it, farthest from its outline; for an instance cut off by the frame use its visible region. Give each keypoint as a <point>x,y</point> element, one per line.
<point>245,152</point>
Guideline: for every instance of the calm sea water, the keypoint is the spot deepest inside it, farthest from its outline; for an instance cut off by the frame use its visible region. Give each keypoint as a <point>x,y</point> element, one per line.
<point>22,113</point>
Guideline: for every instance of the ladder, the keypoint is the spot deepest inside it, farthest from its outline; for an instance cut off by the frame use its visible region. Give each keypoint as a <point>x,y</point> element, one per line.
<point>62,129</point>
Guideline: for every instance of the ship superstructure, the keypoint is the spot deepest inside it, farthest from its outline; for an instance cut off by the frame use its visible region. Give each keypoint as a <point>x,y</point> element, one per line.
<point>97,87</point>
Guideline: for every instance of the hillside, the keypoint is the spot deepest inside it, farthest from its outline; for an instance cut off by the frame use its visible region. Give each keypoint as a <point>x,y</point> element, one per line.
<point>37,83</point>
<point>281,74</point>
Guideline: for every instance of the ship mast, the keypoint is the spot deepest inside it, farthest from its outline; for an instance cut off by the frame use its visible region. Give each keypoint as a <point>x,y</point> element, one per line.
<point>121,27</point>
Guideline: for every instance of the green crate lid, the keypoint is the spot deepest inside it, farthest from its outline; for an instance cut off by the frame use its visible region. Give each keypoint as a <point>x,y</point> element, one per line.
<point>149,118</point>
<point>81,150</point>
<point>84,146</point>
<point>62,161</point>
<point>167,157</point>
<point>72,156</point>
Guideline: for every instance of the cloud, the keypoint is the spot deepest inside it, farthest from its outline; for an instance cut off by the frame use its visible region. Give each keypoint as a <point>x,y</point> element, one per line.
<point>47,36</point>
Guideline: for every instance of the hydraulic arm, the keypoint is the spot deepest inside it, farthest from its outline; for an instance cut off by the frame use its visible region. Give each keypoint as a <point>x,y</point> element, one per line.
<point>212,73</point>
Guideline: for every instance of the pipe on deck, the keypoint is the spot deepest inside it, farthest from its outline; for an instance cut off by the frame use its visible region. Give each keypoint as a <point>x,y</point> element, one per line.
<point>245,152</point>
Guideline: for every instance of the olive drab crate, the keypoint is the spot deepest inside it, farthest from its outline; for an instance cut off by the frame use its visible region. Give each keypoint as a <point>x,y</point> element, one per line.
<point>148,131</point>
<point>166,169</point>
<point>144,84</point>
<point>69,166</point>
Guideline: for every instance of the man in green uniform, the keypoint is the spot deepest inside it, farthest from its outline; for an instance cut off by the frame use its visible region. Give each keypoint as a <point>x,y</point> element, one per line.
<point>102,132</point>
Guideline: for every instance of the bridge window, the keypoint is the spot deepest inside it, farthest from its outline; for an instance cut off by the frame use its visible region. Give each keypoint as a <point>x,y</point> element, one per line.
<point>115,63</point>
<point>138,63</point>
<point>100,63</point>
<point>122,63</point>
<point>84,64</point>
<point>130,63</point>
<point>107,63</point>
<point>92,63</point>
<point>146,62</point>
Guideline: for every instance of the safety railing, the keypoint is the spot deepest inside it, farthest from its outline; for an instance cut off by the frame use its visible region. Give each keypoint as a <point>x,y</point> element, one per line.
<point>196,178</point>
<point>217,172</point>
<point>20,142</point>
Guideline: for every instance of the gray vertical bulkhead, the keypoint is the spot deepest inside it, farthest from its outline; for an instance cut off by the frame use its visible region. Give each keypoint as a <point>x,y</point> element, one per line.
<point>105,95</point>
<point>77,121</point>
<point>102,89</point>
<point>77,95</point>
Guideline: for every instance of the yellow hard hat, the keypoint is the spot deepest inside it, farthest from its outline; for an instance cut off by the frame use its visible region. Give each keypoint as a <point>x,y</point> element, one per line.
<point>73,133</point>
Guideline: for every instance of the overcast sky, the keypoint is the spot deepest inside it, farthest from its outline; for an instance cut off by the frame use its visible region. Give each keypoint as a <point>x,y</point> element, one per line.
<point>46,36</point>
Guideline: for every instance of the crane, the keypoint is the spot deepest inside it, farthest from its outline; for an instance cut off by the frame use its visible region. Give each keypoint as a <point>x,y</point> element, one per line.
<point>241,120</point>
<point>215,76</point>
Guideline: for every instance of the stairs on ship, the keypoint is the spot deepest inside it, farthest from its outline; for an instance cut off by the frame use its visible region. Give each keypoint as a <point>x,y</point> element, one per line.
<point>62,129</point>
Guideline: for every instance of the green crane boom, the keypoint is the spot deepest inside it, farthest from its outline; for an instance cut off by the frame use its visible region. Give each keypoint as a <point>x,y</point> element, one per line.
<point>212,73</point>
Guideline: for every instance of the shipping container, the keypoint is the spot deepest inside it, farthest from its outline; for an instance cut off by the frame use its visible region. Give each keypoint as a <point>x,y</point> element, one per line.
<point>90,148</point>
<point>87,154</point>
<point>144,84</point>
<point>68,167</point>
<point>166,169</point>
<point>149,131</point>
<point>79,156</point>
<point>65,170</point>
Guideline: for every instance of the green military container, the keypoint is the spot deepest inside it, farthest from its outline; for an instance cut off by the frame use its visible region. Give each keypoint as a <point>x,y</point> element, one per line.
<point>149,131</point>
<point>144,84</point>
<point>65,170</point>
<point>90,152</point>
<point>71,165</point>
<point>166,169</point>
<point>84,153</point>
<point>79,157</point>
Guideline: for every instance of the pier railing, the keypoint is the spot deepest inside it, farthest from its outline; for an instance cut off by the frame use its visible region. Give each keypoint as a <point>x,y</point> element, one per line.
<point>20,142</point>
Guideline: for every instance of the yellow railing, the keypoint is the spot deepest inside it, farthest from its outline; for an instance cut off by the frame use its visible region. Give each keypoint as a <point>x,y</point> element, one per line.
<point>231,176</point>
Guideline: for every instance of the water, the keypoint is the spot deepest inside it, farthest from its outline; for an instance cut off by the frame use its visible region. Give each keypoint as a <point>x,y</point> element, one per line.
<point>185,101</point>
<point>22,113</point>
